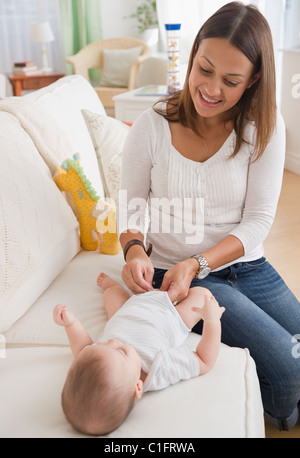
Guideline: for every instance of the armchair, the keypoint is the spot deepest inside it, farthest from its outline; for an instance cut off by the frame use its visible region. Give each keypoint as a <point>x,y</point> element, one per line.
<point>91,56</point>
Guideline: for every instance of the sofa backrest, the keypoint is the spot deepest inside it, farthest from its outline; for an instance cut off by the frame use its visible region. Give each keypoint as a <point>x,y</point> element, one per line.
<point>38,230</point>
<point>2,85</point>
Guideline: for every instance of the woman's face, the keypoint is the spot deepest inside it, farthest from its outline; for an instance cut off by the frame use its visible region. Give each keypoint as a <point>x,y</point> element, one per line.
<point>220,74</point>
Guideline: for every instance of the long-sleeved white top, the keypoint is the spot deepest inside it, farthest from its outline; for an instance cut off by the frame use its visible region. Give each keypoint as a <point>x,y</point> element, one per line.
<point>194,205</point>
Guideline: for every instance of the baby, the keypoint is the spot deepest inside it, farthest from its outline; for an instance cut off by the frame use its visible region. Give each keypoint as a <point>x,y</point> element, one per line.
<point>142,349</point>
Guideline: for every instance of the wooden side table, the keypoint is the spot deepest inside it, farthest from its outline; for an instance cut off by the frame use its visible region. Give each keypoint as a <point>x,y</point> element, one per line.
<point>32,82</point>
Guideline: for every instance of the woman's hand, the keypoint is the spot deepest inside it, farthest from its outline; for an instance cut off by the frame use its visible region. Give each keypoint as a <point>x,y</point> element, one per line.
<point>177,280</point>
<point>137,274</point>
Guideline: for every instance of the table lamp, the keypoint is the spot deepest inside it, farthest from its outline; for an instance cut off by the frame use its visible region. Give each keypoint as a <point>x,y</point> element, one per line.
<point>41,33</point>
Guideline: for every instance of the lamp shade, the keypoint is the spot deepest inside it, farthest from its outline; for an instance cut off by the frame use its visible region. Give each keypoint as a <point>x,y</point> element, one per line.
<point>41,32</point>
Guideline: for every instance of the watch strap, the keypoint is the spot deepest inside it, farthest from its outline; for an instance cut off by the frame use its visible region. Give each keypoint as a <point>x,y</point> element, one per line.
<point>137,242</point>
<point>203,264</point>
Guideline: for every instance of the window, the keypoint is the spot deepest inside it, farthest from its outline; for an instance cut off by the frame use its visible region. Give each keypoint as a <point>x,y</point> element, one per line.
<point>292,24</point>
<point>16,17</point>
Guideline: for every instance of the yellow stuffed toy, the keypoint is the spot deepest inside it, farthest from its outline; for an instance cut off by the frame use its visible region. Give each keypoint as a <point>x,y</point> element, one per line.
<point>97,218</point>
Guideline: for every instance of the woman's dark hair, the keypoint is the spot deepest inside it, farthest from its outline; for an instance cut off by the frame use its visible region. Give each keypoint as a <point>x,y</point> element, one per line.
<point>246,29</point>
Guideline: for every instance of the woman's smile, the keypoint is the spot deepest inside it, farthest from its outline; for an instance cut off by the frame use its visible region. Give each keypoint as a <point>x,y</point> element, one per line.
<point>207,101</point>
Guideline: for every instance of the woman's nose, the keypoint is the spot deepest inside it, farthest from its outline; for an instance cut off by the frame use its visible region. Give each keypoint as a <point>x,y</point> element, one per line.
<point>213,88</point>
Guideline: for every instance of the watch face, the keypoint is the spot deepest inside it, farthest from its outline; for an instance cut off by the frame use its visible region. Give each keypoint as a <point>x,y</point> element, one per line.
<point>204,272</point>
<point>204,268</point>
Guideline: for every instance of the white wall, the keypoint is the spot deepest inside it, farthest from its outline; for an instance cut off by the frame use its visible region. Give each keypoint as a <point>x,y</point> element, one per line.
<point>114,23</point>
<point>290,107</point>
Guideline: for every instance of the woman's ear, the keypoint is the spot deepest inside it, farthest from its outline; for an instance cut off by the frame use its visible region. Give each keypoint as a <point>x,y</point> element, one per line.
<point>253,80</point>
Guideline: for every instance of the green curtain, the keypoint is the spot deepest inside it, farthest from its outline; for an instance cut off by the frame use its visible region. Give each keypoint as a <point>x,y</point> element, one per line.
<point>80,25</point>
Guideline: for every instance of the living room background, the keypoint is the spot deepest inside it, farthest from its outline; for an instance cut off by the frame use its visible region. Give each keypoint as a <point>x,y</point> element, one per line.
<point>77,23</point>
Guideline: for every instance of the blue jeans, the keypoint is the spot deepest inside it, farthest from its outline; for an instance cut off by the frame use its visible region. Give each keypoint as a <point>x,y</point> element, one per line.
<point>262,315</point>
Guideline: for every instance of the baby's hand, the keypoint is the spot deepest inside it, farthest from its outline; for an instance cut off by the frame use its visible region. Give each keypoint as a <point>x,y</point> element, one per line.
<point>211,309</point>
<point>62,316</point>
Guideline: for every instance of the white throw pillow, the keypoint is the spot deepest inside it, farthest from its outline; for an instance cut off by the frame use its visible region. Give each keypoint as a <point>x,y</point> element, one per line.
<point>108,135</point>
<point>63,101</point>
<point>116,66</point>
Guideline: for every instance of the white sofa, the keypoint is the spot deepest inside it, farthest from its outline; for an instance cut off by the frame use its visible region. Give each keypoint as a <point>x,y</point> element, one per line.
<point>2,85</point>
<point>42,264</point>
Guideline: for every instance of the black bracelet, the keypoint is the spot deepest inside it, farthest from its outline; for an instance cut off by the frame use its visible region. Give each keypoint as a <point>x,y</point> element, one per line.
<point>137,242</point>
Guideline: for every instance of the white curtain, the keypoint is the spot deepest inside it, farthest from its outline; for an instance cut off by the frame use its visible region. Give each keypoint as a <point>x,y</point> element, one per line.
<point>16,17</point>
<point>275,13</point>
<point>292,24</point>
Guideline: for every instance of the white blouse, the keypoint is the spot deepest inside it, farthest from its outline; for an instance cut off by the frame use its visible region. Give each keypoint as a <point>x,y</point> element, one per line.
<point>194,205</point>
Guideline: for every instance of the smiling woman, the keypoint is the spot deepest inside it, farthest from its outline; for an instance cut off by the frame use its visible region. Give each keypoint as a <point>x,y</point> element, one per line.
<point>246,69</point>
<point>220,140</point>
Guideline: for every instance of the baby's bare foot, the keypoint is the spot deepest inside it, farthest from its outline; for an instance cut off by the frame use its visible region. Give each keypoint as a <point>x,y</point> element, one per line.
<point>104,281</point>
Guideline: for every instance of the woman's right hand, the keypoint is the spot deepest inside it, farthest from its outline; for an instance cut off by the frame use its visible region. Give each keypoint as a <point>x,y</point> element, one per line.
<point>138,272</point>
<point>177,279</point>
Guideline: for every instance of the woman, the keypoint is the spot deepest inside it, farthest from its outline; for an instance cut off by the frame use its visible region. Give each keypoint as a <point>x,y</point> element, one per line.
<point>209,161</point>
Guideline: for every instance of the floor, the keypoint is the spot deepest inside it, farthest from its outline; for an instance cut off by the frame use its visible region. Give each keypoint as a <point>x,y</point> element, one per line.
<point>282,249</point>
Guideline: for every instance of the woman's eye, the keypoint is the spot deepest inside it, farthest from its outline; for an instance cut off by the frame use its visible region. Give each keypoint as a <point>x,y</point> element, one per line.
<point>209,72</point>
<point>231,83</point>
<point>206,72</point>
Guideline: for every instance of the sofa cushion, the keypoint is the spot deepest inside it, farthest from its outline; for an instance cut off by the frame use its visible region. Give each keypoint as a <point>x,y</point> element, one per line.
<point>224,403</point>
<point>108,135</point>
<point>38,230</point>
<point>83,296</point>
<point>63,101</point>
<point>47,136</point>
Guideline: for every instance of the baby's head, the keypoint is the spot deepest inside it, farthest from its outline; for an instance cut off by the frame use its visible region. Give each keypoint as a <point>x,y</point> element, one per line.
<point>101,387</point>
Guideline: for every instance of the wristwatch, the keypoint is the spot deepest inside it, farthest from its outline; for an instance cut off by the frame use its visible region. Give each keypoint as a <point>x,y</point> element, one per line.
<point>204,268</point>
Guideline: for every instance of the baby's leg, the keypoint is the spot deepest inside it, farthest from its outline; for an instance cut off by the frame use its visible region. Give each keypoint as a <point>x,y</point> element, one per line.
<point>190,308</point>
<point>114,295</point>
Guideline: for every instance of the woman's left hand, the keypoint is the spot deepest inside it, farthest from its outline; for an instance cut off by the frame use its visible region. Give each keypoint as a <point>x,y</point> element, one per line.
<point>177,280</point>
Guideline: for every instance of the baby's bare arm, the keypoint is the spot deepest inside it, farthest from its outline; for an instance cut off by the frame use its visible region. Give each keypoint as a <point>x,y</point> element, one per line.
<point>190,309</point>
<point>76,333</point>
<point>208,348</point>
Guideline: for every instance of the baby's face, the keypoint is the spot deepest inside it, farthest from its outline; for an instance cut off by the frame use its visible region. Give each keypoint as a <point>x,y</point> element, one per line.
<point>122,358</point>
